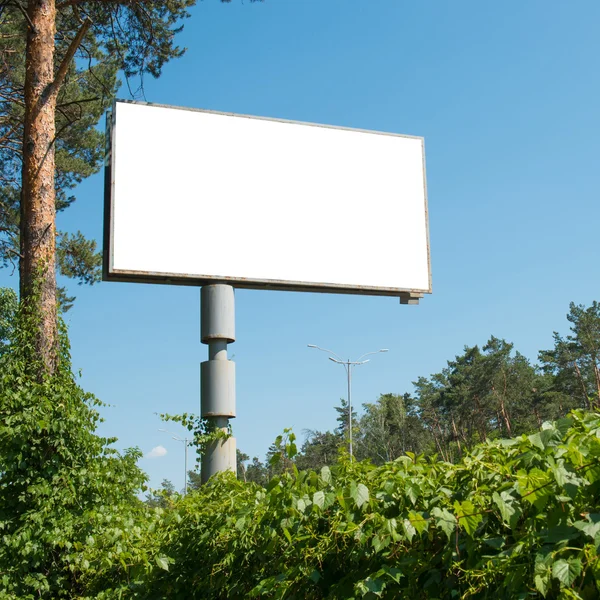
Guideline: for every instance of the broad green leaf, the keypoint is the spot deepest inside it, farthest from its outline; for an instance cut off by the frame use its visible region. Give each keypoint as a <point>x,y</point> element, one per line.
<point>163,562</point>
<point>326,474</point>
<point>329,499</point>
<point>379,542</point>
<point>467,517</point>
<point>392,573</point>
<point>319,499</point>
<point>291,450</point>
<point>534,486</point>
<point>409,529</point>
<point>391,526</point>
<point>370,586</point>
<point>589,528</point>
<point>507,506</point>
<point>567,571</point>
<point>536,440</point>
<point>543,562</point>
<point>563,425</point>
<point>361,496</point>
<point>445,520</point>
<point>567,480</point>
<point>542,584</point>
<point>559,534</point>
<point>550,436</point>
<point>412,491</point>
<point>418,521</point>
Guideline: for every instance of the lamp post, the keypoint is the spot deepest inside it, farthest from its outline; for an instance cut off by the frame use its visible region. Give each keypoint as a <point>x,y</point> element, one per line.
<point>186,442</point>
<point>348,364</point>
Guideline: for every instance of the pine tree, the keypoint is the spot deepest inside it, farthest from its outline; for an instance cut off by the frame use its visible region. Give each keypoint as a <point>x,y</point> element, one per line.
<point>59,63</point>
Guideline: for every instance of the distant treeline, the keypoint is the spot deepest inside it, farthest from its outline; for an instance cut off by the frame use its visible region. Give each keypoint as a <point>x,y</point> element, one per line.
<point>485,393</point>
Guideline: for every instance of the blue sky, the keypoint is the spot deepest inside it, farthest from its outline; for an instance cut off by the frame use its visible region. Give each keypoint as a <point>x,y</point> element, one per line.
<point>506,95</point>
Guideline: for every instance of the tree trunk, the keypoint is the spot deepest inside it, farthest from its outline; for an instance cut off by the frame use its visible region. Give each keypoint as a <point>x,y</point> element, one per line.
<point>438,440</point>
<point>503,411</point>
<point>597,376</point>
<point>481,419</point>
<point>586,398</point>
<point>38,234</point>
<point>456,437</point>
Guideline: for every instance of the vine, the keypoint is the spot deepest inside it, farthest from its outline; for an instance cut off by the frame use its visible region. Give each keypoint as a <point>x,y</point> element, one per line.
<point>204,431</point>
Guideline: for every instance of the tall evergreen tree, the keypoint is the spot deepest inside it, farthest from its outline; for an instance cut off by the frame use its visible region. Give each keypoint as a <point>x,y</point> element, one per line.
<point>343,420</point>
<point>241,458</point>
<point>389,428</point>
<point>428,393</point>
<point>59,63</point>
<point>574,361</point>
<point>319,450</point>
<point>160,498</point>
<point>482,394</point>
<point>194,480</point>
<point>256,472</point>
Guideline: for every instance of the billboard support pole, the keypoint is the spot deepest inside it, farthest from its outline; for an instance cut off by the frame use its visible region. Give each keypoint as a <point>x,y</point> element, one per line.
<point>217,377</point>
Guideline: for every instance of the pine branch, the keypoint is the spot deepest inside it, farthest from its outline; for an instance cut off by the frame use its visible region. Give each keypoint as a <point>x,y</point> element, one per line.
<point>64,66</point>
<point>24,12</point>
<point>68,3</point>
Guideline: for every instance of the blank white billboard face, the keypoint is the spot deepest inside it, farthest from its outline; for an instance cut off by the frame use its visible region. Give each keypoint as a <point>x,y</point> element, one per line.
<point>197,197</point>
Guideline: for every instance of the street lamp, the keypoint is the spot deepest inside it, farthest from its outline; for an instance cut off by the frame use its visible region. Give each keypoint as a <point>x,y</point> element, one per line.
<point>186,442</point>
<point>348,364</point>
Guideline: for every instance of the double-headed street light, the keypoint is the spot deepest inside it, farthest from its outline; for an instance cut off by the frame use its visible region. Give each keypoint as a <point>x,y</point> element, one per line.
<point>186,442</point>
<point>348,364</point>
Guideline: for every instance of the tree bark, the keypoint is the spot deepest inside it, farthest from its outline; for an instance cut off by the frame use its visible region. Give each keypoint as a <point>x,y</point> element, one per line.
<point>481,419</point>
<point>597,376</point>
<point>38,233</point>
<point>503,411</point>
<point>438,440</point>
<point>586,398</point>
<point>456,437</point>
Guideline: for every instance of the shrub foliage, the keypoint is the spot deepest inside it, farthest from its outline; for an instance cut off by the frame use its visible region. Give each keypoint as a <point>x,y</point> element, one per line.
<point>512,519</point>
<point>517,518</point>
<point>64,491</point>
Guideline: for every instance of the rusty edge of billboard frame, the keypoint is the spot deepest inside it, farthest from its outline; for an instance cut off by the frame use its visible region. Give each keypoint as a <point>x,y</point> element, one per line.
<point>407,296</point>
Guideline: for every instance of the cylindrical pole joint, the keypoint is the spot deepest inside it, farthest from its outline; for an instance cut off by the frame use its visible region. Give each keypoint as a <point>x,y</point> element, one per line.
<point>217,383</point>
<point>217,310</point>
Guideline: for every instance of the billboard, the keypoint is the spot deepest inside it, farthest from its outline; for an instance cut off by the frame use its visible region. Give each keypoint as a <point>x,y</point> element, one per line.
<point>197,197</point>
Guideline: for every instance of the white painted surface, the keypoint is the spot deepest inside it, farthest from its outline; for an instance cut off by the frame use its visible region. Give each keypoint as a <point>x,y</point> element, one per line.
<point>207,195</point>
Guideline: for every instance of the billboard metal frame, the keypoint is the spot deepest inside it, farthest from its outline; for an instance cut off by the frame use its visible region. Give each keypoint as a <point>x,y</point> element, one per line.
<point>407,296</point>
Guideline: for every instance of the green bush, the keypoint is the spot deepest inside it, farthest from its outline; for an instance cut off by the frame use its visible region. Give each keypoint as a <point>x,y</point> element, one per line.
<point>514,519</point>
<point>63,490</point>
<point>517,518</point>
